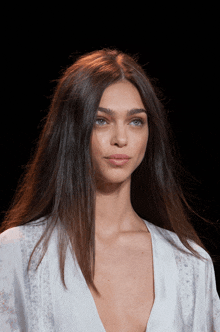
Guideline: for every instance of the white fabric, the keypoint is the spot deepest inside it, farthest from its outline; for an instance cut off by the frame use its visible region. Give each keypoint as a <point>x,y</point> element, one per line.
<point>186,298</point>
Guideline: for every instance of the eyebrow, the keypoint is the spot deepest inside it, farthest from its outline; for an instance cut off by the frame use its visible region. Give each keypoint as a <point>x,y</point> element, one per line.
<point>130,112</point>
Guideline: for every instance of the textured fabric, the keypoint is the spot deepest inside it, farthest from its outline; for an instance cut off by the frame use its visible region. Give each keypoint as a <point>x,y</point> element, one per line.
<point>186,298</point>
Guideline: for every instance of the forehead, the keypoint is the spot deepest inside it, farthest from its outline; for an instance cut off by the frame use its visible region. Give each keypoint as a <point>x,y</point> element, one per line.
<point>121,96</point>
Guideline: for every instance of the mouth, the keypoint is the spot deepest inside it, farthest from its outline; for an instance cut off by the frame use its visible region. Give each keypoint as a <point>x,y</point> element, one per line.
<point>119,156</point>
<point>118,161</point>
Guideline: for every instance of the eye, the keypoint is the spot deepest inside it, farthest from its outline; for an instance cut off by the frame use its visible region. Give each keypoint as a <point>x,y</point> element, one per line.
<point>99,119</point>
<point>138,120</point>
<point>141,121</point>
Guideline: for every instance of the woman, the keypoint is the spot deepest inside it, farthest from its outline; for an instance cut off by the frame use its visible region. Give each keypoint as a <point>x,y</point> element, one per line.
<point>103,192</point>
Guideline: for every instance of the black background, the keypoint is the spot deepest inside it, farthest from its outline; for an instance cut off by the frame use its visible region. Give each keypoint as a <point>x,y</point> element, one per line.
<point>179,48</point>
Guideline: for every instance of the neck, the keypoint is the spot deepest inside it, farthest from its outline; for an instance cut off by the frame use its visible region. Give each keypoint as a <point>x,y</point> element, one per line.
<point>114,212</point>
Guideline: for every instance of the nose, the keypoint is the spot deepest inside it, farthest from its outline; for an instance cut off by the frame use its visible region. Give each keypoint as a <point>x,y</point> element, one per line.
<point>119,136</point>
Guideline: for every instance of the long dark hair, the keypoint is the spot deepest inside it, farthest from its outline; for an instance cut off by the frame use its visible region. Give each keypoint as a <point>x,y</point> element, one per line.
<point>58,184</point>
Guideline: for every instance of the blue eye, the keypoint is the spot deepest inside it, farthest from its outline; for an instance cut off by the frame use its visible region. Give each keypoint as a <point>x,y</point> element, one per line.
<point>137,120</point>
<point>100,120</point>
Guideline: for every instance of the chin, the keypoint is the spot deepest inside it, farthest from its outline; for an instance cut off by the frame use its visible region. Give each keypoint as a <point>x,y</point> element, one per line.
<point>117,179</point>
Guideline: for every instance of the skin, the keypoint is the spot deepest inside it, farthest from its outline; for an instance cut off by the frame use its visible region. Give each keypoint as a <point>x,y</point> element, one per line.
<point>123,242</point>
<point>118,134</point>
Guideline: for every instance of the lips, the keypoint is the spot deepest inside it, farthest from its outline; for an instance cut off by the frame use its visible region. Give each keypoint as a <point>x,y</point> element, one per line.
<point>119,156</point>
<point>118,161</point>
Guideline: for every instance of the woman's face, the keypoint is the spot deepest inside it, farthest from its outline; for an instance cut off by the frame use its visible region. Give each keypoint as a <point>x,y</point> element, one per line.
<point>119,133</point>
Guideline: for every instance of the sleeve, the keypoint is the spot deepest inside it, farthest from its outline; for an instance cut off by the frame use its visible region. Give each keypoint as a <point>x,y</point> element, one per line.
<point>11,297</point>
<point>212,299</point>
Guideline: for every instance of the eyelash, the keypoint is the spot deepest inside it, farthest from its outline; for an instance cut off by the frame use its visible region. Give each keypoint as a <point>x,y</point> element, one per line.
<point>142,122</point>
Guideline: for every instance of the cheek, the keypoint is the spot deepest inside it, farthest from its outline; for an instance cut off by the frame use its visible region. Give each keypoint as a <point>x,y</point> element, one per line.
<point>96,146</point>
<point>141,142</point>
<point>141,147</point>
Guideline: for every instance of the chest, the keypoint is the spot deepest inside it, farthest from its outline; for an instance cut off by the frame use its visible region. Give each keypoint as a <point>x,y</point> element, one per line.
<point>124,277</point>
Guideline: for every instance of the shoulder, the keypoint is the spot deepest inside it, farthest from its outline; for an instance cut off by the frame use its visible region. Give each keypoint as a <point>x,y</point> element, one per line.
<point>14,239</point>
<point>9,241</point>
<point>188,265</point>
<point>168,239</point>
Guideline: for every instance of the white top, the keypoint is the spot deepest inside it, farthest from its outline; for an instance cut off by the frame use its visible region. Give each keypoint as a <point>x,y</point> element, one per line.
<point>186,298</point>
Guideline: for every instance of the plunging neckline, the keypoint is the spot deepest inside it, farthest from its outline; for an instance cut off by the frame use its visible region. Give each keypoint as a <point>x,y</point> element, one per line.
<point>155,287</point>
